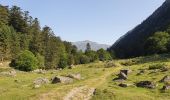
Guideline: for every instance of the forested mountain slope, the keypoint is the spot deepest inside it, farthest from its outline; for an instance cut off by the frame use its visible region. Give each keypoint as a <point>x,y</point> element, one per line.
<point>132,43</point>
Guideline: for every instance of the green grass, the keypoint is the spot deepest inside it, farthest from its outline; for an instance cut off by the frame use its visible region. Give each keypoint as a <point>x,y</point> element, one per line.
<point>97,75</point>
<point>112,91</point>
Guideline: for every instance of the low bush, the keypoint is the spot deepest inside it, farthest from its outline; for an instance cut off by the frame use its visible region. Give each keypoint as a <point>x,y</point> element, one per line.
<point>111,64</point>
<point>25,61</point>
<point>128,62</point>
<point>157,66</point>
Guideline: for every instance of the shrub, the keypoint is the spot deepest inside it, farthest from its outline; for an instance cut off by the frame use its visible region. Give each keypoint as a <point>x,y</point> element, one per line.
<point>157,43</point>
<point>84,59</point>
<point>25,61</point>
<point>128,62</point>
<point>157,66</point>
<point>62,62</point>
<point>41,61</point>
<point>103,55</point>
<point>111,64</point>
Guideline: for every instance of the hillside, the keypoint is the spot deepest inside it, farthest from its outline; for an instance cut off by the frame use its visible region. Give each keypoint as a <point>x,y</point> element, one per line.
<point>132,43</point>
<point>81,45</point>
<point>98,81</point>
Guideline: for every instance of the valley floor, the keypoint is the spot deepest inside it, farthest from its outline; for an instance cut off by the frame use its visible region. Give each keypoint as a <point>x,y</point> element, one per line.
<point>96,83</point>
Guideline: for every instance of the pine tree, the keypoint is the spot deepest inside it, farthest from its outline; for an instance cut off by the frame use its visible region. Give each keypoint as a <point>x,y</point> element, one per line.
<point>35,43</point>
<point>88,47</point>
<point>4,15</point>
<point>17,20</point>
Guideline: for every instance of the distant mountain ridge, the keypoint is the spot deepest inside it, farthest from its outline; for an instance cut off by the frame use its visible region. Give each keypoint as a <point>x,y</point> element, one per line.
<point>81,45</point>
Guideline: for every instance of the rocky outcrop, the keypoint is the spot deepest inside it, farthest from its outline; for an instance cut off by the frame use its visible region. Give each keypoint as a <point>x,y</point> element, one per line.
<point>40,81</point>
<point>75,76</point>
<point>10,73</point>
<point>39,71</point>
<point>146,84</point>
<point>62,79</point>
<point>122,76</point>
<point>125,85</point>
<point>165,79</point>
<point>166,87</point>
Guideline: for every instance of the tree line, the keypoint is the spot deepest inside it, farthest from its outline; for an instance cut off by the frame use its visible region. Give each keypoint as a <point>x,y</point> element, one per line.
<point>22,40</point>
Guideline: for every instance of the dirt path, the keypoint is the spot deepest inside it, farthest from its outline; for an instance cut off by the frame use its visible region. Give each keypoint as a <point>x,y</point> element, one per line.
<point>83,92</point>
<point>86,92</point>
<point>80,93</point>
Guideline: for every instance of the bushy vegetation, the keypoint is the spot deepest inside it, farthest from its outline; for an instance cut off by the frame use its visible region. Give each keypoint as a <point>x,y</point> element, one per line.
<point>157,66</point>
<point>103,55</point>
<point>41,61</point>
<point>158,43</point>
<point>26,61</point>
<point>128,62</point>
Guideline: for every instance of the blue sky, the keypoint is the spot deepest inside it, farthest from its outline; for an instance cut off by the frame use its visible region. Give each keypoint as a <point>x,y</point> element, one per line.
<point>102,21</point>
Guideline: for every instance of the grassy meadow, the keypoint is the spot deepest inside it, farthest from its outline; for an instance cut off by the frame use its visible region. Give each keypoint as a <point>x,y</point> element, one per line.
<point>98,75</point>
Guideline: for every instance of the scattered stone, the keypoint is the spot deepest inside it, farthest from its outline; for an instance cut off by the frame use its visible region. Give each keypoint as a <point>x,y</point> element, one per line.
<point>122,76</point>
<point>39,71</point>
<point>166,87</point>
<point>10,73</point>
<point>165,79</point>
<point>146,84</point>
<point>36,86</point>
<point>118,80</point>
<point>124,85</point>
<point>111,64</point>
<point>75,76</point>
<point>40,81</point>
<point>61,79</point>
<point>126,72</point>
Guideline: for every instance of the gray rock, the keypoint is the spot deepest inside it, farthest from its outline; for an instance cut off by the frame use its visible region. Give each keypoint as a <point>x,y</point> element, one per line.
<point>126,72</point>
<point>111,64</point>
<point>61,79</point>
<point>165,79</point>
<point>125,85</point>
<point>146,84</point>
<point>36,86</point>
<point>122,76</point>
<point>166,87</point>
<point>10,73</point>
<point>75,76</point>
<point>39,71</point>
<point>40,81</point>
